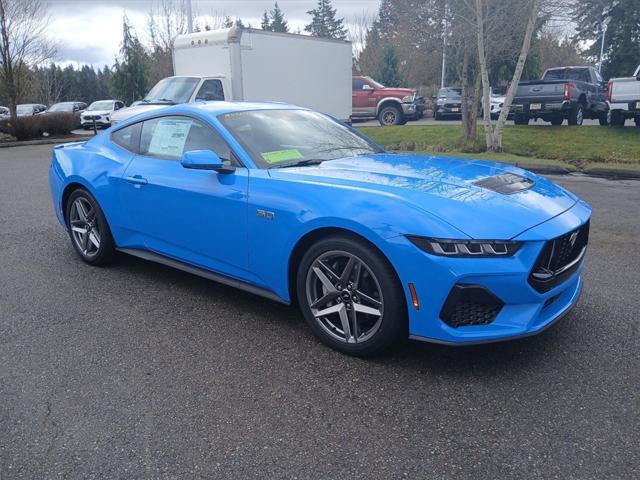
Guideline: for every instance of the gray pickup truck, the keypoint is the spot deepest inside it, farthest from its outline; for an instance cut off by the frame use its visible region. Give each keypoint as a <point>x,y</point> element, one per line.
<point>574,93</point>
<point>623,97</point>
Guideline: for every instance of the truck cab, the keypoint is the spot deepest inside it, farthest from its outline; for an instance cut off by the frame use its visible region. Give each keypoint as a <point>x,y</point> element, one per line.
<point>391,106</point>
<point>175,90</point>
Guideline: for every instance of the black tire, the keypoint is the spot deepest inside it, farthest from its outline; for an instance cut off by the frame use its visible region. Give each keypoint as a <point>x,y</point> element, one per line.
<point>557,120</point>
<point>604,118</point>
<point>393,322</point>
<point>576,116</point>
<point>437,116</point>
<point>617,119</point>
<point>96,221</point>
<point>390,115</point>
<point>521,119</point>
<point>637,121</point>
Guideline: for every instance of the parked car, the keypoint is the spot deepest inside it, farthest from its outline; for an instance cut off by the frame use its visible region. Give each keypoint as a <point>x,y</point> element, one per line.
<point>623,98</point>
<point>293,205</point>
<point>29,109</point>
<point>67,107</point>
<point>4,112</point>
<point>574,93</point>
<point>100,112</point>
<point>498,95</point>
<point>448,103</point>
<point>391,106</point>
<point>237,64</point>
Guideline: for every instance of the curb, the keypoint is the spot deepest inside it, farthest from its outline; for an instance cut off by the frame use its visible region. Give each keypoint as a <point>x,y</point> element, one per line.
<point>27,143</point>
<point>613,173</point>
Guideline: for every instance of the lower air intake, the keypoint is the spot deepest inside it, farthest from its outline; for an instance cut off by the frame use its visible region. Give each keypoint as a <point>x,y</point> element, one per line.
<point>469,305</point>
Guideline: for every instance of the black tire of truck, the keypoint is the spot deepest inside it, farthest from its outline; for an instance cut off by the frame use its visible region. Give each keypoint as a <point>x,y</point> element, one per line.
<point>557,120</point>
<point>390,115</point>
<point>521,119</point>
<point>617,119</point>
<point>637,121</point>
<point>604,118</point>
<point>576,116</point>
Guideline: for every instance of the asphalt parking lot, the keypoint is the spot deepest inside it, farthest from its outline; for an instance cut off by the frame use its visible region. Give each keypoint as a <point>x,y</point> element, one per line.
<point>140,371</point>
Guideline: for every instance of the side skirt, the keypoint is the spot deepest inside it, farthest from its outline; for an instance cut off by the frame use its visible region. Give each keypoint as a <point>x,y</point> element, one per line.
<point>201,272</point>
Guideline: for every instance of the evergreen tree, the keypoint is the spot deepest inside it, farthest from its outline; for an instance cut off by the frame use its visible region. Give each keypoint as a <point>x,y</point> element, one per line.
<point>265,24</point>
<point>239,23</point>
<point>228,22</point>
<point>622,38</point>
<point>278,23</point>
<point>388,74</point>
<point>131,71</point>
<point>324,22</point>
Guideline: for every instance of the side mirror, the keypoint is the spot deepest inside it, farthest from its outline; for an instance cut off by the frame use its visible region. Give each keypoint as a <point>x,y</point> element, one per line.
<point>367,88</point>
<point>205,160</point>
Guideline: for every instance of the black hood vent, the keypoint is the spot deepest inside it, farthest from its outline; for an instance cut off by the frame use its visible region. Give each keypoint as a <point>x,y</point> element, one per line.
<point>506,183</point>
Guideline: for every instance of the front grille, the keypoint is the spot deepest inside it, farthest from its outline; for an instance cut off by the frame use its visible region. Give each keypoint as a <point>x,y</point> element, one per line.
<point>468,305</point>
<point>92,117</point>
<point>559,259</point>
<point>452,105</point>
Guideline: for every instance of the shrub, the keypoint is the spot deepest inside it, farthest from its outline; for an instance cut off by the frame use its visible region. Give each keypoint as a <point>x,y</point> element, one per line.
<point>28,128</point>
<point>59,123</point>
<point>23,128</point>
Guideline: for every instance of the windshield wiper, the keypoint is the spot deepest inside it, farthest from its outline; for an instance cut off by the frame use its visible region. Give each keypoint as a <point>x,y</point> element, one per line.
<point>301,163</point>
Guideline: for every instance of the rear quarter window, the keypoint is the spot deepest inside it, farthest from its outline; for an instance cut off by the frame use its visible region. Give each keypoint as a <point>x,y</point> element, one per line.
<point>128,137</point>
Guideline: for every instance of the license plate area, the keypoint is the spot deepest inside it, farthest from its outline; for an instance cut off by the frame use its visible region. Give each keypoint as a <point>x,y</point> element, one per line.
<point>535,106</point>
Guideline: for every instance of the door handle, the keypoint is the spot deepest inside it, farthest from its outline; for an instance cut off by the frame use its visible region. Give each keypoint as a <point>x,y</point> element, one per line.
<point>136,180</point>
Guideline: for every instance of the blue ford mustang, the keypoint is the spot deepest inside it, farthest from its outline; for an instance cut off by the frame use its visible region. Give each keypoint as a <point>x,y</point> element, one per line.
<point>289,204</point>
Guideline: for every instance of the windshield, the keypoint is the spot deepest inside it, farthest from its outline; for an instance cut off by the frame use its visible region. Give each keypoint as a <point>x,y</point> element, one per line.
<point>172,90</point>
<point>26,109</point>
<point>567,74</point>
<point>499,91</point>
<point>101,105</point>
<point>449,92</point>
<point>278,138</point>
<point>61,107</point>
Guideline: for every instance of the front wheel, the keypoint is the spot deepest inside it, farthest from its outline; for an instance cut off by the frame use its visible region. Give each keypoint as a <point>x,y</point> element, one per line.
<point>390,115</point>
<point>350,296</point>
<point>88,228</point>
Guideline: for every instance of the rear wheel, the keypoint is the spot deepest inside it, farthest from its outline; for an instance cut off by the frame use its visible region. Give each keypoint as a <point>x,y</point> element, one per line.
<point>637,121</point>
<point>557,120</point>
<point>350,296</point>
<point>604,118</point>
<point>617,120</point>
<point>390,115</point>
<point>521,119</point>
<point>88,228</point>
<point>576,116</point>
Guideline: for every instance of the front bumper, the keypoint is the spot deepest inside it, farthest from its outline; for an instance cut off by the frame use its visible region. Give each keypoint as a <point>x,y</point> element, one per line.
<point>409,109</point>
<point>523,310</point>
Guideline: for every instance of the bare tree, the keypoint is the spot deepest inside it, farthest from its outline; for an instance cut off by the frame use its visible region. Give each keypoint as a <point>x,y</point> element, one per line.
<point>358,28</point>
<point>23,44</point>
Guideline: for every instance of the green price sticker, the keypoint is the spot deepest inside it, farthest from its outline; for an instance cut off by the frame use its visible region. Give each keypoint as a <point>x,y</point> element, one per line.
<point>278,156</point>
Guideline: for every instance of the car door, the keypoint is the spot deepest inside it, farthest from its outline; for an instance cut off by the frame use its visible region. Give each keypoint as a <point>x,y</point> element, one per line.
<point>197,216</point>
<point>362,98</point>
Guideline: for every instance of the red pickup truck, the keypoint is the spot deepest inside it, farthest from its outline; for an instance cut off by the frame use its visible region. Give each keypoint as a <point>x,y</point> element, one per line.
<point>391,106</point>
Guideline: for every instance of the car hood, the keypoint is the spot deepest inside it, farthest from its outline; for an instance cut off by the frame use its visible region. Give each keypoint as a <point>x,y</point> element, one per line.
<point>96,112</point>
<point>401,92</point>
<point>444,187</point>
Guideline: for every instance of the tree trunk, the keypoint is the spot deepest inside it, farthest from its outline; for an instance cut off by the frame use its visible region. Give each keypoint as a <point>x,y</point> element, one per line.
<point>464,96</point>
<point>526,46</point>
<point>473,117</point>
<point>484,73</point>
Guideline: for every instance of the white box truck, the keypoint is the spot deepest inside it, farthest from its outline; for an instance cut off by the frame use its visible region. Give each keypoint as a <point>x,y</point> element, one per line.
<point>237,64</point>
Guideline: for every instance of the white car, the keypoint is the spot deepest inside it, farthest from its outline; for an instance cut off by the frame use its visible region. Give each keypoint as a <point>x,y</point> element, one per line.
<point>101,112</point>
<point>4,112</point>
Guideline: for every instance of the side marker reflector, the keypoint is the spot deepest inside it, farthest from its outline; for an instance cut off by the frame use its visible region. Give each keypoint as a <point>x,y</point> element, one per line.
<point>414,296</point>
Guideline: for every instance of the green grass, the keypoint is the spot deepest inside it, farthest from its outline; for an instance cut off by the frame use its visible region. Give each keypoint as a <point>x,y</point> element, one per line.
<point>575,148</point>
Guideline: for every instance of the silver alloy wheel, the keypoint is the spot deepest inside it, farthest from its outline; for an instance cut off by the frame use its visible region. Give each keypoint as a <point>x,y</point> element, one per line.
<point>344,296</point>
<point>84,227</point>
<point>389,117</point>
<point>579,116</point>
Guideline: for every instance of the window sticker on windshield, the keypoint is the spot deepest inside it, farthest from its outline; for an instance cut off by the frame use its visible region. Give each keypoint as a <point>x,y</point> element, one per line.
<point>278,156</point>
<point>169,137</point>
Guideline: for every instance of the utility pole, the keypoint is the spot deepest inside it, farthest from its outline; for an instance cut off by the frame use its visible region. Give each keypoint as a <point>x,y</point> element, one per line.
<point>444,61</point>
<point>603,26</point>
<point>189,17</point>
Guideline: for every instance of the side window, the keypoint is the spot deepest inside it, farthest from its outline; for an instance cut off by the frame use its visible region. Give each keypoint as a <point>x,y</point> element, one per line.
<point>127,137</point>
<point>169,137</point>
<point>119,105</point>
<point>357,84</point>
<point>210,90</point>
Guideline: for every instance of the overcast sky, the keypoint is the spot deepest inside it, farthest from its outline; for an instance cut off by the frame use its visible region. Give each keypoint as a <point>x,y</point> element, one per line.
<point>90,31</point>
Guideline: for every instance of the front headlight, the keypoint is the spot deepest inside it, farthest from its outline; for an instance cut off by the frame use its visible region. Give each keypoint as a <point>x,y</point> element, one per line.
<point>408,99</point>
<point>465,248</point>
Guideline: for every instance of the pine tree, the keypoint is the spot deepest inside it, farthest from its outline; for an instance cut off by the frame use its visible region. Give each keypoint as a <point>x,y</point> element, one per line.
<point>265,24</point>
<point>389,75</point>
<point>622,38</point>
<point>239,23</point>
<point>324,22</point>
<point>278,23</point>
<point>228,22</point>
<point>131,71</point>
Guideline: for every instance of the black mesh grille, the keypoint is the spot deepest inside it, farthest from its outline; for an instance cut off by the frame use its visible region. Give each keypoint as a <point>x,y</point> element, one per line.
<point>469,305</point>
<point>550,268</point>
